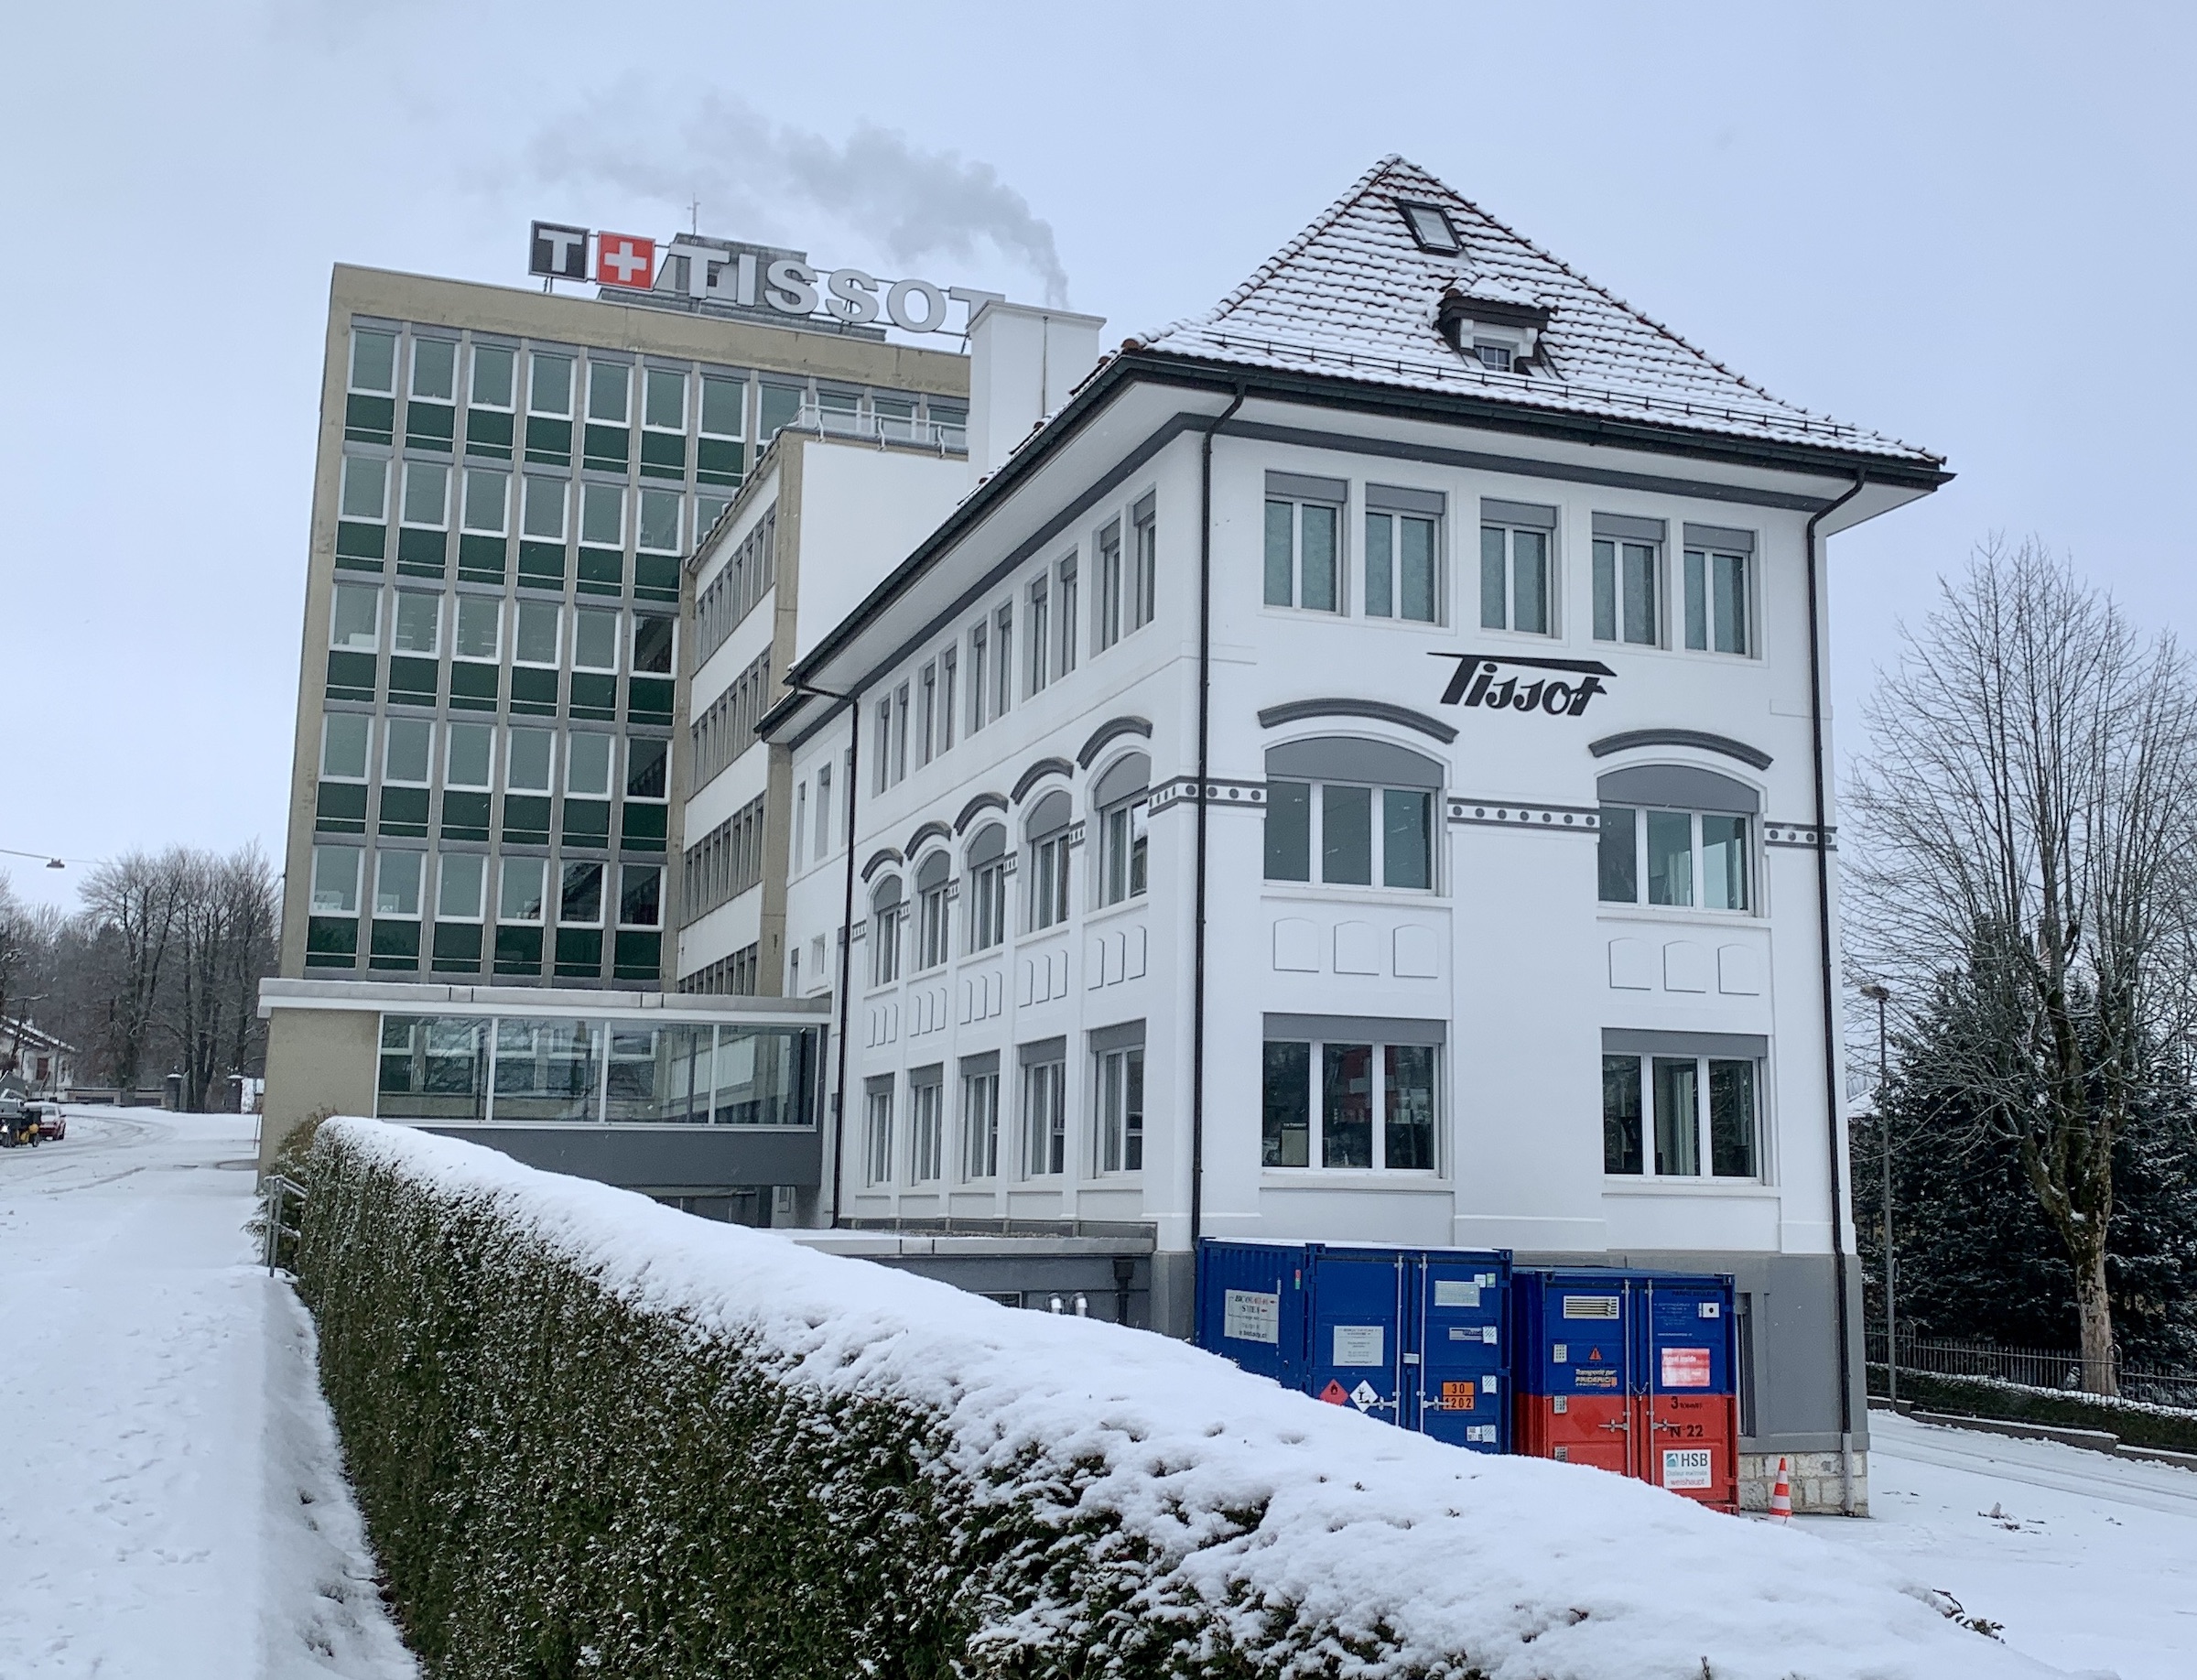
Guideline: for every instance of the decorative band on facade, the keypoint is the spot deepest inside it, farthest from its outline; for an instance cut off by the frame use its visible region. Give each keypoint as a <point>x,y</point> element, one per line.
<point>1182,790</point>
<point>1800,835</point>
<point>1580,819</point>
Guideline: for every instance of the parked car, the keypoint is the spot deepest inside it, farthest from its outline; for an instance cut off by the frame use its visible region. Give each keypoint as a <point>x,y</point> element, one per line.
<point>17,1126</point>
<point>53,1125</point>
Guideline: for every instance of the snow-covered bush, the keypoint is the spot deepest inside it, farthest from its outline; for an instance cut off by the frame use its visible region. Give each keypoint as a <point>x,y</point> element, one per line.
<point>591,1435</point>
<point>2135,1421</point>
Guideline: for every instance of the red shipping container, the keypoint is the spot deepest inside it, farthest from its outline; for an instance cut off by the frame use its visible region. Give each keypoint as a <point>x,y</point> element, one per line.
<point>1689,1444</point>
<point>1596,1429</point>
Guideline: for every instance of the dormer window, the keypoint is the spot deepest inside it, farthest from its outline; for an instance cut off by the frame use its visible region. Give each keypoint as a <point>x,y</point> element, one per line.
<point>1492,354</point>
<point>1431,228</point>
<point>1502,333</point>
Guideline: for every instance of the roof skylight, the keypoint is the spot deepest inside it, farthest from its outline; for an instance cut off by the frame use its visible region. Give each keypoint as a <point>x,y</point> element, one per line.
<point>1431,227</point>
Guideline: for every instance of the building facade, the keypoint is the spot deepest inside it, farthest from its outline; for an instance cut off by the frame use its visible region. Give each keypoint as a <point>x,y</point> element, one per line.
<point>1358,772</point>
<point>493,702</point>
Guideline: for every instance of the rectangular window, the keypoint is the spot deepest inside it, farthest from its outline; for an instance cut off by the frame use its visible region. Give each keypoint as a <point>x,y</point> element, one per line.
<point>417,625</point>
<point>519,891</point>
<point>823,810</point>
<point>1121,1110</point>
<point>884,937</point>
<point>664,408</point>
<point>932,928</point>
<point>587,764</point>
<point>1064,597</point>
<point>374,361</point>
<point>435,369</point>
<point>981,1123</point>
<point>579,895</point>
<point>660,521</point>
<point>1106,548</point>
<point>927,712</point>
<point>1680,1116</point>
<point>1359,835</point>
<point>653,639</point>
<point>487,501</point>
<point>1515,586</point>
<point>1716,601</point>
<point>1353,1106</point>
<point>947,671</point>
<point>426,494</point>
<point>542,509</point>
<point>1002,698</point>
<point>1402,570</point>
<point>882,777</point>
<point>457,888</point>
<point>978,647</point>
<point>1044,1119</point>
<point>336,880</point>
<point>1124,844</point>
<point>538,638</point>
<point>640,895</point>
<point>608,387</point>
<point>988,904</point>
<point>344,738</point>
<point>396,886</point>
<point>527,760</point>
<point>1049,879</point>
<point>800,835</point>
<point>927,1126</point>
<point>782,407</point>
<point>594,640</point>
<point>1144,582</point>
<point>492,367</point>
<point>602,515</point>
<point>408,751</point>
<point>1303,554</point>
<point>724,407</point>
<point>549,384</point>
<point>365,488</point>
<point>1685,858</point>
<point>355,620</point>
<point>877,1131</point>
<point>1040,609</point>
<point>468,760</point>
<point>1627,594</point>
<point>900,733</point>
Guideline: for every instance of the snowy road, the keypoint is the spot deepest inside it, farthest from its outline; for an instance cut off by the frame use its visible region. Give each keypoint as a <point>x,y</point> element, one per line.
<point>2090,1562</point>
<point>169,1506</point>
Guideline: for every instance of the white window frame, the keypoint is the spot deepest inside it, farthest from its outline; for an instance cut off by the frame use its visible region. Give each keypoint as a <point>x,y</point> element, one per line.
<point>1295,603</point>
<point>1611,555</point>
<point>1377,1099</point>
<point>1377,850</point>
<point>877,1129</point>
<point>1045,1118</point>
<point>1436,561</point>
<point>1704,1138</point>
<point>1508,534</point>
<point>1118,1098</point>
<point>1699,566</point>
<point>1698,864</point>
<point>979,1125</point>
<point>927,1129</point>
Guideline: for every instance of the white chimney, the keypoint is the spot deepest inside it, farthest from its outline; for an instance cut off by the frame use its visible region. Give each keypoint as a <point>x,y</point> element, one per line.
<point>1022,362</point>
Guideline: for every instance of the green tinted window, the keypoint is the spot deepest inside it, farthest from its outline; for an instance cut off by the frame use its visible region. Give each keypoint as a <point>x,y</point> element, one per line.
<point>373,361</point>
<point>435,369</point>
<point>492,376</point>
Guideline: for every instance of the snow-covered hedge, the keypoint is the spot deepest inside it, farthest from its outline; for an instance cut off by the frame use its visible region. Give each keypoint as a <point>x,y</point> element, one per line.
<point>2135,1421</point>
<point>591,1435</point>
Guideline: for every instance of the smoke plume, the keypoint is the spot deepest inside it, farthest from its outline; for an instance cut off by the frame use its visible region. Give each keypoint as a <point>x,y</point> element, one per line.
<point>748,173</point>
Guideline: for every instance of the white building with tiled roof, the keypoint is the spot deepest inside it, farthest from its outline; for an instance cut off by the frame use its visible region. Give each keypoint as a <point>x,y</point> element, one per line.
<point>1356,770</point>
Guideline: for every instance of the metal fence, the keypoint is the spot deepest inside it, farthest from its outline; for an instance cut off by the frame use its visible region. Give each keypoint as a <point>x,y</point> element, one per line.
<point>2032,1368</point>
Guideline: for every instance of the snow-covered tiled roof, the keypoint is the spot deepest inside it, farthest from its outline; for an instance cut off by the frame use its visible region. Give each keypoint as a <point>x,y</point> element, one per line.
<point>1355,296</point>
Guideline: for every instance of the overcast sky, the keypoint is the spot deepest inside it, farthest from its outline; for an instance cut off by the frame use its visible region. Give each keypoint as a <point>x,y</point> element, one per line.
<point>1968,225</point>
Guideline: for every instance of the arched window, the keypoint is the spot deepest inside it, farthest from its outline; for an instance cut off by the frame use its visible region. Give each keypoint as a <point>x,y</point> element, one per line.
<point>1342,811</point>
<point>1048,832</point>
<point>884,932</point>
<point>985,867</point>
<point>1123,800</point>
<point>931,947</point>
<point>1677,835</point>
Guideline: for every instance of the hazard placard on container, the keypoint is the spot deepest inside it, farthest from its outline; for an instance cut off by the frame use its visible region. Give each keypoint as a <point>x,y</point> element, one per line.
<point>1334,1393</point>
<point>1686,1367</point>
<point>1686,1467</point>
<point>1457,1396</point>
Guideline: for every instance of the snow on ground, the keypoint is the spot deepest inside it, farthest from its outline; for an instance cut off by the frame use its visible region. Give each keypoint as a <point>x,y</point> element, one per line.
<point>2090,1562</point>
<point>170,1502</point>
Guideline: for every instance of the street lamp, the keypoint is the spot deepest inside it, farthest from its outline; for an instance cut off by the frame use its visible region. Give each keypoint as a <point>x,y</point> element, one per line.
<point>1881,995</point>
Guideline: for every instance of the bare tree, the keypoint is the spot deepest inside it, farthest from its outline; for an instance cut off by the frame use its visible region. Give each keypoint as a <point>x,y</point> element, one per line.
<point>132,901</point>
<point>2023,854</point>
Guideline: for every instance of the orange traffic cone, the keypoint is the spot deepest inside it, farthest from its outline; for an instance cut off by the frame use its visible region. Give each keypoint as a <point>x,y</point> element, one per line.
<point>1781,1496</point>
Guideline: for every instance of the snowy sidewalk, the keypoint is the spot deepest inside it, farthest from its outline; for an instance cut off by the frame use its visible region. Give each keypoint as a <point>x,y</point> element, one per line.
<point>170,1502</point>
<point>2090,1562</point>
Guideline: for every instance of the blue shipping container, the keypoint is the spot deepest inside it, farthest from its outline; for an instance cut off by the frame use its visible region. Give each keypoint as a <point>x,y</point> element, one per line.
<point>1416,1337</point>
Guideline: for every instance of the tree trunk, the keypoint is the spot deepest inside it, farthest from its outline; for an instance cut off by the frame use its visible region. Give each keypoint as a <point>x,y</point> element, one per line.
<point>2094,1310</point>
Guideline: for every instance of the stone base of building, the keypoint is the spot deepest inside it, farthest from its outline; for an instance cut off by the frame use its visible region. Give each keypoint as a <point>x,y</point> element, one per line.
<point>1817,1488</point>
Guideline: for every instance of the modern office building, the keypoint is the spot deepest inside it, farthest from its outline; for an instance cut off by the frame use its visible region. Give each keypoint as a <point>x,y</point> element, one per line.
<point>1358,771</point>
<point>493,685</point>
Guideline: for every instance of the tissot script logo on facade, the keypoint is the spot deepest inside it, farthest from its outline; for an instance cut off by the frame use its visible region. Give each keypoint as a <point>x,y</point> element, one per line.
<point>1507,682</point>
<point>705,270</point>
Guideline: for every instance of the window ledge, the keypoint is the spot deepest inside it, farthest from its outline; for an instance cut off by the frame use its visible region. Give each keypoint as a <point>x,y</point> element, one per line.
<point>1743,1189</point>
<point>1678,916</point>
<point>1298,892</point>
<point>1349,1178</point>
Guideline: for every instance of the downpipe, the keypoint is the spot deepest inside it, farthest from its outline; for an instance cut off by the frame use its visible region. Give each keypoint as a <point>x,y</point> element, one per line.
<point>1833,1059</point>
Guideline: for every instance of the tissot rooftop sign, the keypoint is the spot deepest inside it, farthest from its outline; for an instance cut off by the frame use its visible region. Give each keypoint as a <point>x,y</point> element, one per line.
<point>714,271</point>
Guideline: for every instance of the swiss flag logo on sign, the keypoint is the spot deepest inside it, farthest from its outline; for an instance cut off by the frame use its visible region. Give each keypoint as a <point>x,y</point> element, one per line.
<point>625,259</point>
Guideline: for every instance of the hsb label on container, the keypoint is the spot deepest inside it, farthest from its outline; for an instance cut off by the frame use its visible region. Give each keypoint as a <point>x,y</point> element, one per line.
<point>1686,1367</point>
<point>1246,1315</point>
<point>1686,1467</point>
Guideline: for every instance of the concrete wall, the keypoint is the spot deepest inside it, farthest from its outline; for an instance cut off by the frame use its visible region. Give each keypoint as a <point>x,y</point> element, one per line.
<point>318,1062</point>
